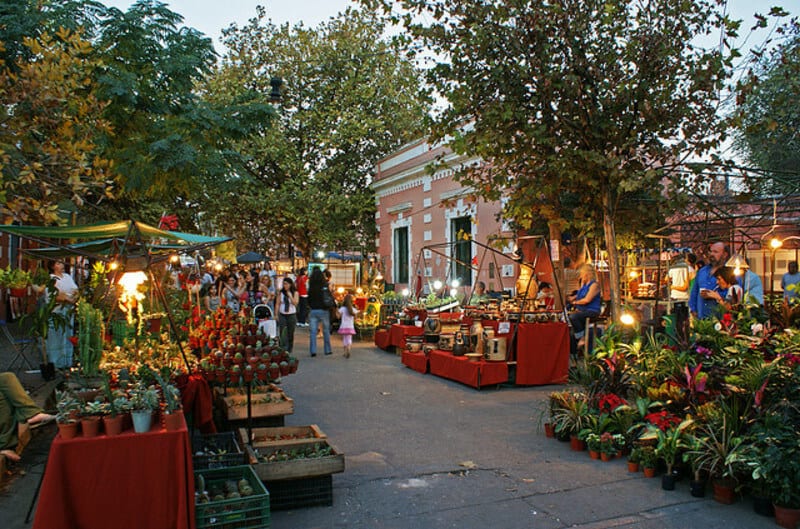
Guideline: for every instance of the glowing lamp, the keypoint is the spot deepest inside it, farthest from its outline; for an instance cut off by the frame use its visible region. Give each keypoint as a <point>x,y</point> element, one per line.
<point>405,292</point>
<point>775,243</point>
<point>627,319</point>
<point>455,283</point>
<point>453,292</point>
<point>437,285</point>
<point>340,290</point>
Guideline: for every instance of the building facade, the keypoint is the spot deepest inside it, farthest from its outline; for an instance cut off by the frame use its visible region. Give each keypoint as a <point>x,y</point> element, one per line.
<point>430,228</point>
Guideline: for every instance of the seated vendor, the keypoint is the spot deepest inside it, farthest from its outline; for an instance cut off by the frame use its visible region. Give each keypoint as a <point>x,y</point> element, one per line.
<point>16,407</point>
<point>479,295</point>
<point>546,297</point>
<point>586,302</point>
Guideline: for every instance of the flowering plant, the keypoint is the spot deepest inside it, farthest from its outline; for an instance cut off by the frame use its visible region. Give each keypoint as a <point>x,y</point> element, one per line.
<point>662,420</point>
<point>609,402</point>
<point>611,443</point>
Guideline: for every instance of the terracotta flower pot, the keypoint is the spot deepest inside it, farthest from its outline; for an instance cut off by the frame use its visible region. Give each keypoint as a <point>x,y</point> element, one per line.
<point>549,430</point>
<point>112,425</point>
<point>786,517</point>
<point>594,454</point>
<point>633,466</point>
<point>174,421</point>
<point>605,456</point>
<point>19,292</point>
<point>577,444</point>
<point>68,430</point>
<point>90,426</point>
<point>649,472</point>
<point>724,491</point>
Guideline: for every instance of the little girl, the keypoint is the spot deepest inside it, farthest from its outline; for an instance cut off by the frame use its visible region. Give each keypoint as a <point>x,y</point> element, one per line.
<point>347,327</point>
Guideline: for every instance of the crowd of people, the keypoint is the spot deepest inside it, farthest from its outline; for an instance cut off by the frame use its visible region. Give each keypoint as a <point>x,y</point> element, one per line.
<point>294,300</point>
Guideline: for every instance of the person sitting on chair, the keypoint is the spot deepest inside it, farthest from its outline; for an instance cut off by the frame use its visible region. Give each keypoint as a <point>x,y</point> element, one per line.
<point>16,407</point>
<point>586,302</point>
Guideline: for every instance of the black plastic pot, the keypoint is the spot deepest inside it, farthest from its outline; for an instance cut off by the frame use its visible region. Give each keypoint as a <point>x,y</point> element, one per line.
<point>48,370</point>
<point>668,482</point>
<point>697,488</point>
<point>763,506</point>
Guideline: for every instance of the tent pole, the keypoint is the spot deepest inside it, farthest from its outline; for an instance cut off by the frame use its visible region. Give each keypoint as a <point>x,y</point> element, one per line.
<point>163,298</point>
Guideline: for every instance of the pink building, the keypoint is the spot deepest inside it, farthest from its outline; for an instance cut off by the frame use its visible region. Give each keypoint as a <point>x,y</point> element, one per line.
<point>427,221</point>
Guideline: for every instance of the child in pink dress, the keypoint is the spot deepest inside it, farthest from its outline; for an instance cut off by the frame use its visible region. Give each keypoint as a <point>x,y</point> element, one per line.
<point>347,326</point>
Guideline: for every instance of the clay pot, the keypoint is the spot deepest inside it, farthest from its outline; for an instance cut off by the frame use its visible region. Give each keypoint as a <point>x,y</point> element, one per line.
<point>90,426</point>
<point>112,425</point>
<point>604,456</point>
<point>549,430</point>
<point>68,430</point>
<point>594,454</point>
<point>785,517</point>
<point>633,466</point>
<point>649,472</point>
<point>724,491</point>
<point>576,444</point>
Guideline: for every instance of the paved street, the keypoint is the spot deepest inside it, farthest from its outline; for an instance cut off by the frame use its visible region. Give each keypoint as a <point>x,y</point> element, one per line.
<point>423,452</point>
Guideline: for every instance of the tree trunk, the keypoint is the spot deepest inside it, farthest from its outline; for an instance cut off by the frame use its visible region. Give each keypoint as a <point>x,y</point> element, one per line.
<point>613,258</point>
<point>558,265</point>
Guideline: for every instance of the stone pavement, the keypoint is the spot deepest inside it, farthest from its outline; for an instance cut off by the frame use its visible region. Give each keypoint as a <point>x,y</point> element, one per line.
<point>424,452</point>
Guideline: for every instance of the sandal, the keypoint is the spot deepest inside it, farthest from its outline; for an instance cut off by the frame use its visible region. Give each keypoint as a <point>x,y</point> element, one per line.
<point>10,455</point>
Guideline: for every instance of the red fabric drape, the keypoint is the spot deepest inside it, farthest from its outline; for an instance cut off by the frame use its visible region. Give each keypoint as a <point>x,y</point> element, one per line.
<point>459,368</point>
<point>416,361</point>
<point>196,398</point>
<point>542,353</point>
<point>125,481</point>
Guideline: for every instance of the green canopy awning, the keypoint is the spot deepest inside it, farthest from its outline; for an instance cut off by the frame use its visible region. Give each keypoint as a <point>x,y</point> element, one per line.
<point>107,240</point>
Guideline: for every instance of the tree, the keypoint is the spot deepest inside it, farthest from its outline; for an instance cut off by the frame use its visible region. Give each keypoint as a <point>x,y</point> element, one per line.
<point>50,122</point>
<point>768,116</point>
<point>596,97</point>
<point>348,99</point>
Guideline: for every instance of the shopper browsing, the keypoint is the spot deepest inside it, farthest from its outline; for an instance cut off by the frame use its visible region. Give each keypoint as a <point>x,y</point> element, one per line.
<point>347,313</point>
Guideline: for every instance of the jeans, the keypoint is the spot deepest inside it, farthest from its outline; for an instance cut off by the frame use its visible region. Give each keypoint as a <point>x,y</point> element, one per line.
<point>578,321</point>
<point>286,326</point>
<point>318,316</point>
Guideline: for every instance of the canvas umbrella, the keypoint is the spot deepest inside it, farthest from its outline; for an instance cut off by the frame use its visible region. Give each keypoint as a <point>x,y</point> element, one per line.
<point>250,257</point>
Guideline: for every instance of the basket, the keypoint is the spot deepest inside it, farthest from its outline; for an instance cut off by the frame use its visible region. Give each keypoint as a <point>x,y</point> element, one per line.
<point>227,451</point>
<point>251,512</point>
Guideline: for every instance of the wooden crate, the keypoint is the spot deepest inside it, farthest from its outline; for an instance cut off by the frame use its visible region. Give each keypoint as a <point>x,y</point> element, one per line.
<point>307,435</point>
<point>235,405</point>
<point>295,468</point>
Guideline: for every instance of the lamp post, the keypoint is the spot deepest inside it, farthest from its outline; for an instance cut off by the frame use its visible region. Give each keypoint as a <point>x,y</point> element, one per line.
<point>774,245</point>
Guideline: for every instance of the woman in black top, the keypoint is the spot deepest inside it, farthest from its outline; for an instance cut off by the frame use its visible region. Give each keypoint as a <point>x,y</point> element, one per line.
<point>319,312</point>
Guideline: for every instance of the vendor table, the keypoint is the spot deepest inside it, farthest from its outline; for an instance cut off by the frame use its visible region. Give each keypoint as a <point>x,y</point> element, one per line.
<point>416,361</point>
<point>382,339</point>
<point>461,369</point>
<point>542,353</point>
<point>128,480</point>
<point>397,336</point>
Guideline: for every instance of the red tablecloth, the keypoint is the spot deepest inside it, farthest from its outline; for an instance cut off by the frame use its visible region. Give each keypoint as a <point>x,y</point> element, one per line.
<point>460,369</point>
<point>416,361</point>
<point>382,339</point>
<point>542,353</point>
<point>129,480</point>
<point>398,333</point>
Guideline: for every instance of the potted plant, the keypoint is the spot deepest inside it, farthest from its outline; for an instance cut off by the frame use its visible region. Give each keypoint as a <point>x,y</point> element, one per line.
<point>67,408</point>
<point>779,467</point>
<point>43,317</point>
<point>713,454</point>
<point>669,444</point>
<point>608,446</point>
<point>693,456</point>
<point>633,459</point>
<point>648,459</point>
<point>90,341</point>
<point>16,280</point>
<point>173,412</point>
<point>593,445</point>
<point>117,405</point>
<point>91,412</point>
<point>572,418</point>
<point>143,400</point>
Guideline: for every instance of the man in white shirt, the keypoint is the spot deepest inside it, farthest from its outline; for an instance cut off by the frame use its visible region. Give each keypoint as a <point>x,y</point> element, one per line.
<point>679,280</point>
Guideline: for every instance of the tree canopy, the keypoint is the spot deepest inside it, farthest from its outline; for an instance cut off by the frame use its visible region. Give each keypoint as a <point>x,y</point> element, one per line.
<point>595,97</point>
<point>349,98</point>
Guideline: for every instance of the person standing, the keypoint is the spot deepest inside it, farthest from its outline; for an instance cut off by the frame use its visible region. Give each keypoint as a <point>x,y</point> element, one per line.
<point>347,327</point>
<point>230,295</point>
<point>702,298</point>
<point>320,313</point>
<point>302,290</point>
<point>729,294</point>
<point>791,279</point>
<point>753,287</point>
<point>59,348</point>
<point>288,300</point>
<point>679,279</point>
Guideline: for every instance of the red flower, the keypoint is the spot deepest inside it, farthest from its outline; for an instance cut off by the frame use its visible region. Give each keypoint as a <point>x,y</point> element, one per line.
<point>663,420</point>
<point>73,340</point>
<point>610,402</point>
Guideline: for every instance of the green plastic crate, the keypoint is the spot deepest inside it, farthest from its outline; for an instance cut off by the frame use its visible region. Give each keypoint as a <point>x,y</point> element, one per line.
<point>251,512</point>
<point>226,451</point>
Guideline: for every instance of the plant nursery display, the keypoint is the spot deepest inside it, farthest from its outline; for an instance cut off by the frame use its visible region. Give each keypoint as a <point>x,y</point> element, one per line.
<point>719,405</point>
